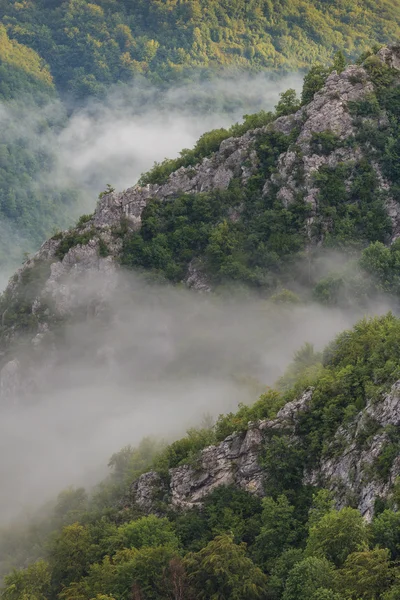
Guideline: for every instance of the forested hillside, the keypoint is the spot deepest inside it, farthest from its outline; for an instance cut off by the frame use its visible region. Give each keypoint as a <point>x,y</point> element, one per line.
<point>90,45</point>
<point>283,539</point>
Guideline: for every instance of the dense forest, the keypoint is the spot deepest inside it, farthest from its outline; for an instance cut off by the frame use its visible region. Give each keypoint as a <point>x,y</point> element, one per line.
<point>89,45</point>
<point>292,544</point>
<point>29,210</point>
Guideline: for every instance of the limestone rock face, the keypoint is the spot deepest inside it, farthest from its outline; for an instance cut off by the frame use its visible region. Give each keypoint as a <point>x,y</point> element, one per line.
<point>235,461</point>
<point>390,55</point>
<point>235,158</point>
<point>350,473</point>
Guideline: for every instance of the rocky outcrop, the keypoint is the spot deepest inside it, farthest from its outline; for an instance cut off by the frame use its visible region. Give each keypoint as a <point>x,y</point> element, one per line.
<point>235,158</point>
<point>351,468</point>
<point>235,461</point>
<point>348,468</point>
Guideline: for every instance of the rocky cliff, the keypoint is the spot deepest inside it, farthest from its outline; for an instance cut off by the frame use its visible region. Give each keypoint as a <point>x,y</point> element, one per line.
<point>349,467</point>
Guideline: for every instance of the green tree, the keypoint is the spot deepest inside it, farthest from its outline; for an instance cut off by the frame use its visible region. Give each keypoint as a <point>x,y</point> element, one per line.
<point>308,578</point>
<point>385,529</point>
<point>222,570</point>
<point>313,81</point>
<point>366,574</point>
<point>339,61</point>
<point>148,531</point>
<point>279,529</point>
<point>338,534</point>
<point>288,103</point>
<point>72,552</point>
<point>322,504</point>
<point>32,583</point>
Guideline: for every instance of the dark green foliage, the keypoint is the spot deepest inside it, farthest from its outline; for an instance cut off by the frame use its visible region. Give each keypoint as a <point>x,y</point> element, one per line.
<point>367,107</point>
<point>283,461</point>
<point>103,248</point>
<point>325,142</point>
<point>222,570</point>
<point>83,220</point>
<point>390,450</point>
<point>309,577</point>
<point>18,311</point>
<point>357,214</point>
<point>386,532</point>
<point>339,62</point>
<point>254,248</point>
<point>72,239</point>
<point>336,535</point>
<point>314,80</point>
<point>279,530</point>
<point>109,190</point>
<point>288,103</point>
<point>265,408</point>
<point>207,144</point>
<point>184,450</point>
<point>229,509</point>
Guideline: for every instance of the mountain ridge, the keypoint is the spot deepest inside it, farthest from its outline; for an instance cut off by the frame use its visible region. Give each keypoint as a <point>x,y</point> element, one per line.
<point>290,160</point>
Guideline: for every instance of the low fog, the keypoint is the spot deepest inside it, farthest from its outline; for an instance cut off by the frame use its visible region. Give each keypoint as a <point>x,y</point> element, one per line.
<point>146,360</point>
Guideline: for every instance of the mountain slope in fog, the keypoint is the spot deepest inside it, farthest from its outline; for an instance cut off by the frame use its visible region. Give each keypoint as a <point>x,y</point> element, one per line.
<point>255,205</point>
<point>307,478</point>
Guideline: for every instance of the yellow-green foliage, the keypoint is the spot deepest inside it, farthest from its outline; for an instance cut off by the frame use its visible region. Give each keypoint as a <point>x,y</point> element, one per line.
<point>22,57</point>
<point>89,44</point>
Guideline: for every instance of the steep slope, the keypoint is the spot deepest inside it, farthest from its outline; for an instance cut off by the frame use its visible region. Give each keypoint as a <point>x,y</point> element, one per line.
<point>256,211</point>
<point>92,44</point>
<point>360,466</point>
<point>295,503</point>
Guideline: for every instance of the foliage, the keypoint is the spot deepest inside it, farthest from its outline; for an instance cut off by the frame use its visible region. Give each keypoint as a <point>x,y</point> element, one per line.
<point>266,407</point>
<point>324,142</point>
<point>306,363</point>
<point>90,45</point>
<point>278,531</point>
<point>222,570</point>
<point>288,103</point>
<point>336,535</point>
<point>314,80</point>
<point>32,583</point>
<point>366,574</point>
<point>386,532</point>
<point>148,531</point>
<point>185,449</point>
<point>309,577</point>
<point>359,364</point>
